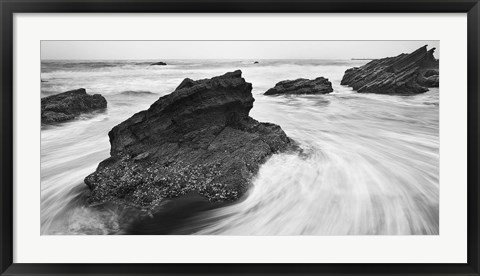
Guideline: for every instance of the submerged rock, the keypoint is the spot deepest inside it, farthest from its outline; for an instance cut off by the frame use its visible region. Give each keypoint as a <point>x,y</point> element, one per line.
<point>199,138</point>
<point>404,74</point>
<point>159,63</point>
<point>68,105</point>
<point>255,62</point>
<point>319,85</point>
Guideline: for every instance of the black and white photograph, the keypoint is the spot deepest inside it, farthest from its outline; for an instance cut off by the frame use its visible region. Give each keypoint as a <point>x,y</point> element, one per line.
<point>239,138</point>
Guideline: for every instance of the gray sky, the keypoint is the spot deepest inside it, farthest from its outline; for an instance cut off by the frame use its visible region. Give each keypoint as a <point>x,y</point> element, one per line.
<point>159,50</point>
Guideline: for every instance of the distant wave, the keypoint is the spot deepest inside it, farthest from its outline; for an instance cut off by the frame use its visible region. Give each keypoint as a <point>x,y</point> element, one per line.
<point>136,93</point>
<point>45,93</point>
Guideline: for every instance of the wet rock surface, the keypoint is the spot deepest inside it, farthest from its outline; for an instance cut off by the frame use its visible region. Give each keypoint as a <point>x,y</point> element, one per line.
<point>319,85</point>
<point>175,217</point>
<point>404,74</point>
<point>68,105</point>
<point>199,138</point>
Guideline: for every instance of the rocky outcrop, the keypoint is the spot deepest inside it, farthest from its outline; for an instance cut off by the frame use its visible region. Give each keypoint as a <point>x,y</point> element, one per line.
<point>319,85</point>
<point>68,105</point>
<point>159,63</point>
<point>404,74</point>
<point>199,138</point>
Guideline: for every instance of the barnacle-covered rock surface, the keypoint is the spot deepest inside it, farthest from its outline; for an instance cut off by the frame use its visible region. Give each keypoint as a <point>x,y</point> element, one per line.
<point>200,138</point>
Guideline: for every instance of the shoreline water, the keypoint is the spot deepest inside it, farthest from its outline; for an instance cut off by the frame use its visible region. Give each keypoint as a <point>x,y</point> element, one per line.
<point>371,165</point>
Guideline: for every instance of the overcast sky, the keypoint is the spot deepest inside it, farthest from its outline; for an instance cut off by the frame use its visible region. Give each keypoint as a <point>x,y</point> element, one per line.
<point>163,50</point>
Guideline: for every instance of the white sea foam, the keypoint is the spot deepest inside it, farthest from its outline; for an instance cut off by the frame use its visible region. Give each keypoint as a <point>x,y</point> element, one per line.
<point>370,162</point>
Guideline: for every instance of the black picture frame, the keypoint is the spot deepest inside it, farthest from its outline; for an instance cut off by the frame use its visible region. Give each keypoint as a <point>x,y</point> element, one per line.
<point>9,7</point>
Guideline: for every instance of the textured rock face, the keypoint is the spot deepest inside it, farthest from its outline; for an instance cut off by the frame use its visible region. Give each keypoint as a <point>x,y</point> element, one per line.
<point>404,74</point>
<point>319,85</point>
<point>199,138</point>
<point>68,105</point>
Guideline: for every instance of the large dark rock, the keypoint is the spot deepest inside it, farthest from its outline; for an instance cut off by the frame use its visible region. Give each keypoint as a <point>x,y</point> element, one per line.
<point>404,74</point>
<point>319,85</point>
<point>68,105</point>
<point>199,138</point>
<point>159,63</point>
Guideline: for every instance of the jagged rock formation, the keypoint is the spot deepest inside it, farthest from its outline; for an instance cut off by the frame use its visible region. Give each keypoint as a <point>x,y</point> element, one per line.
<point>404,74</point>
<point>68,105</point>
<point>319,85</point>
<point>199,138</point>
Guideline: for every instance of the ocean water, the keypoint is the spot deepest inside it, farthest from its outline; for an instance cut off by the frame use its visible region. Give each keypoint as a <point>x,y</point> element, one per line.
<point>370,164</point>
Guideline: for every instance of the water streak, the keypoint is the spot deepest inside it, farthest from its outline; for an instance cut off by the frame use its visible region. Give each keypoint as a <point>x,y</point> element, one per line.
<point>370,163</point>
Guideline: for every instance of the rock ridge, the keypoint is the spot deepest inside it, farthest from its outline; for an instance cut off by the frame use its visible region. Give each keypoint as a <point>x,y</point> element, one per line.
<point>404,74</point>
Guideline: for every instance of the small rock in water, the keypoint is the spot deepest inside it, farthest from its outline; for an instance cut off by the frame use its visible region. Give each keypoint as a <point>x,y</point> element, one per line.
<point>159,63</point>
<point>319,85</point>
<point>68,105</point>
